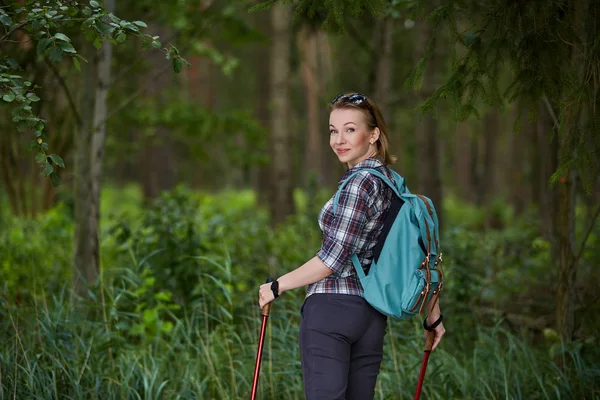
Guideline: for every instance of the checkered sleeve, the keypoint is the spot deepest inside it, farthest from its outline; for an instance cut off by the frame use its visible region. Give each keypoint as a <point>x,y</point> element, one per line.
<point>342,234</point>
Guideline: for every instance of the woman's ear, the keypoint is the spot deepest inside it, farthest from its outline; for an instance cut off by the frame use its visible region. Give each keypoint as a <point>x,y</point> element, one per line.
<point>375,135</point>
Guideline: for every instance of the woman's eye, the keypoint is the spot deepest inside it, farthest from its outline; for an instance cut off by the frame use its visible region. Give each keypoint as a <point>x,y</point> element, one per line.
<point>350,130</point>
<point>331,132</point>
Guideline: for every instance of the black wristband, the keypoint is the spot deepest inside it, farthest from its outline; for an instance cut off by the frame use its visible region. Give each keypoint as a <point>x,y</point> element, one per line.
<point>275,288</point>
<point>434,325</point>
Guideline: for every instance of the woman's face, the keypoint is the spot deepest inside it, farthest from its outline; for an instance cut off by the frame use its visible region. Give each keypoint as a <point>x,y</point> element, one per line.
<point>349,136</point>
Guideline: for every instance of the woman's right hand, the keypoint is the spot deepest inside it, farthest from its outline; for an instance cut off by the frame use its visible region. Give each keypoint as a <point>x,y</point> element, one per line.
<point>438,331</point>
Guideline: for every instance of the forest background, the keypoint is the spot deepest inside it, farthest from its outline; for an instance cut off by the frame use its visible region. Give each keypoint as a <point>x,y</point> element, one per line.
<point>160,159</point>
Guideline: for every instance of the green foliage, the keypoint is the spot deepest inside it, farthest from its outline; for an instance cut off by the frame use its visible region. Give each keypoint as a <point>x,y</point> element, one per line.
<point>56,351</point>
<point>176,314</point>
<point>35,254</point>
<point>540,52</point>
<point>45,23</point>
<point>330,14</point>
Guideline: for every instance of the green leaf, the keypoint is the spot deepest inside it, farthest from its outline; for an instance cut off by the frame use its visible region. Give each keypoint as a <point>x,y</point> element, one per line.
<point>76,64</point>
<point>57,160</point>
<point>67,47</point>
<point>163,296</point>
<point>94,4</point>
<point>47,169</point>
<point>62,36</point>
<point>8,97</point>
<point>5,20</point>
<point>121,37</point>
<point>150,316</point>
<point>176,62</point>
<point>166,327</point>
<point>33,97</point>
<point>88,22</point>
<point>55,179</point>
<point>156,44</point>
<point>97,42</point>
<point>140,23</point>
<point>40,158</point>
<point>42,44</point>
<point>55,54</point>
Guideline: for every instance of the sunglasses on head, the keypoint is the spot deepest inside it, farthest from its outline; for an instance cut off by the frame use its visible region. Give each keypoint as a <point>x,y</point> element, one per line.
<point>356,99</point>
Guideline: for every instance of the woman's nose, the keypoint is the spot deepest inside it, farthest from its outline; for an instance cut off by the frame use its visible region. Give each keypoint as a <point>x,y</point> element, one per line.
<point>340,138</point>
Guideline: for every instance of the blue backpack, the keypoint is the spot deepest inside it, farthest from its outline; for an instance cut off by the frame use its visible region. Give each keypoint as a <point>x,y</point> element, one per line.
<point>406,270</point>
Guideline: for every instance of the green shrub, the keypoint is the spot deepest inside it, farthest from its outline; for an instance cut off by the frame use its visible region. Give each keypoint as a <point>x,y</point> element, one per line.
<point>36,253</point>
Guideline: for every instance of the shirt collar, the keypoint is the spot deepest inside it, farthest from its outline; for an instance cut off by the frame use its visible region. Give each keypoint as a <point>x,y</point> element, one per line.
<point>368,163</point>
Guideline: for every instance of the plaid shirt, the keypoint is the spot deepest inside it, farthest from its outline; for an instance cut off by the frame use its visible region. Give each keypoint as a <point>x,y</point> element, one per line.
<point>355,228</point>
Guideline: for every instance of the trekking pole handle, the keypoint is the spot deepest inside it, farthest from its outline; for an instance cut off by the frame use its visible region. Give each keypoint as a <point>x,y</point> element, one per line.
<point>266,310</point>
<point>429,339</point>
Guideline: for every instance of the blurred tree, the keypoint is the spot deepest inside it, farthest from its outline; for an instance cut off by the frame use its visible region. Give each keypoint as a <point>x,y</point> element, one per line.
<point>550,49</point>
<point>89,141</point>
<point>429,181</point>
<point>308,37</point>
<point>43,24</point>
<point>281,198</point>
<point>554,62</point>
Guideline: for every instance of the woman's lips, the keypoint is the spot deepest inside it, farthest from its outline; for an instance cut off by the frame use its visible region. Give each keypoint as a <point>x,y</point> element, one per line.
<point>342,151</point>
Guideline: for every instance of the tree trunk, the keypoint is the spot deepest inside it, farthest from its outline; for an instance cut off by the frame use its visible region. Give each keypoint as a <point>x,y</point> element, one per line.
<point>156,177</point>
<point>428,152</point>
<point>518,192</point>
<point>329,163</point>
<point>262,103</point>
<point>99,132</point>
<point>383,79</point>
<point>88,176</point>
<point>462,160</point>
<point>564,221</point>
<point>85,256</point>
<point>488,189</point>
<point>307,38</point>
<point>281,185</point>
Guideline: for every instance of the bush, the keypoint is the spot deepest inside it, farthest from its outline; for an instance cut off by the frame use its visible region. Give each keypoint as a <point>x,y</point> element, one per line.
<point>36,253</point>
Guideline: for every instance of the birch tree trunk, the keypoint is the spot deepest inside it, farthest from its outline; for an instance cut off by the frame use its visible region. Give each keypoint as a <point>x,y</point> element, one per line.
<point>281,200</point>
<point>88,165</point>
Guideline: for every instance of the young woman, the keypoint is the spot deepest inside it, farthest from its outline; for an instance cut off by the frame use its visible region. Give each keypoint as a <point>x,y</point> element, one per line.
<point>341,335</point>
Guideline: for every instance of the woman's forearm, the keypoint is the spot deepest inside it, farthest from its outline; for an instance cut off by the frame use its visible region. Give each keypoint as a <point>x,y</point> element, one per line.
<point>310,272</point>
<point>434,313</point>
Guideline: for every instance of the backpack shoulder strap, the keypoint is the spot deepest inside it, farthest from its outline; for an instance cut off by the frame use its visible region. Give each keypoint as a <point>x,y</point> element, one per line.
<point>395,187</point>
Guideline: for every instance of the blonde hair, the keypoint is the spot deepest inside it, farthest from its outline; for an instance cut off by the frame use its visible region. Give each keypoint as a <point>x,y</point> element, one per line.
<point>373,118</point>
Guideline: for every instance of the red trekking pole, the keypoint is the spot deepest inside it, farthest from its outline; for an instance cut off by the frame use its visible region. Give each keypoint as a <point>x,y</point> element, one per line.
<point>265,314</point>
<point>428,345</point>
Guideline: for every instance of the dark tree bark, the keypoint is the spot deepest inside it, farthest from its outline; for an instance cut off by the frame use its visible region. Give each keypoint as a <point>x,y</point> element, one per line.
<point>281,193</point>
<point>262,103</point>
<point>307,39</point>
<point>462,160</point>
<point>383,78</point>
<point>428,151</point>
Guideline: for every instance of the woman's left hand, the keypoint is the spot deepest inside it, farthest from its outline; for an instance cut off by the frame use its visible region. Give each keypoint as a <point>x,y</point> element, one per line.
<point>265,295</point>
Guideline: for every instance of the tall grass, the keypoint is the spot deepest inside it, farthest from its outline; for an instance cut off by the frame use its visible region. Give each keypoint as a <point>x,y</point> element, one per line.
<point>61,349</point>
